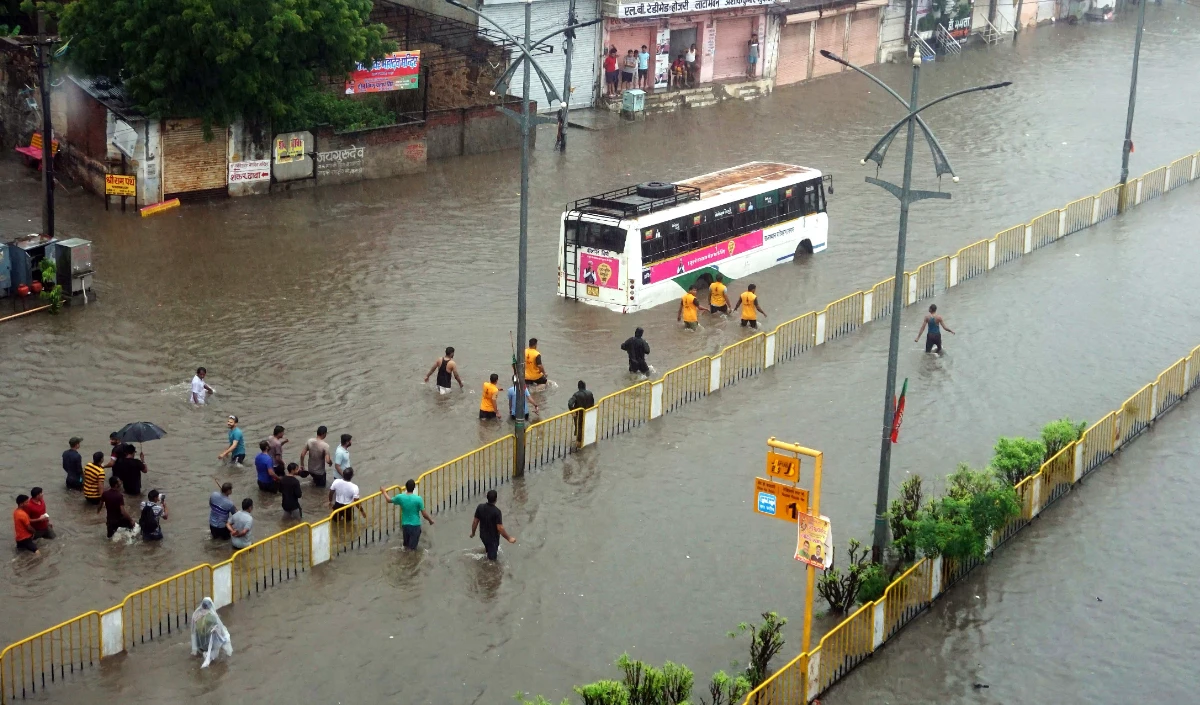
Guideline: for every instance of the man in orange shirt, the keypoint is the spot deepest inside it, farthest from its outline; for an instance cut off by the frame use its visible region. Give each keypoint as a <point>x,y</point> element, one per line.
<point>487,404</point>
<point>748,302</point>
<point>22,528</point>
<point>688,310</point>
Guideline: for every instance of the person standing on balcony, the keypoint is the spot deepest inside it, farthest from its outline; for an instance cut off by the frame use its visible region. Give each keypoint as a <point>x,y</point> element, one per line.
<point>445,366</point>
<point>490,524</point>
<point>935,324</point>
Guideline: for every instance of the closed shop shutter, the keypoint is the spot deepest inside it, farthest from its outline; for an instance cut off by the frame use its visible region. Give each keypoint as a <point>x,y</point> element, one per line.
<point>864,37</point>
<point>793,53</point>
<point>191,164</point>
<point>549,15</point>
<point>633,38</point>
<point>732,35</point>
<point>830,36</point>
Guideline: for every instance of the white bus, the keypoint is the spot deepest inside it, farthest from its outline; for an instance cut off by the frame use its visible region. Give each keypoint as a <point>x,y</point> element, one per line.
<point>645,245</point>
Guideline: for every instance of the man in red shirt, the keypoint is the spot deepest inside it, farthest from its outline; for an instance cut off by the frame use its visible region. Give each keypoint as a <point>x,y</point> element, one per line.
<point>22,529</point>
<point>35,507</point>
<point>611,72</point>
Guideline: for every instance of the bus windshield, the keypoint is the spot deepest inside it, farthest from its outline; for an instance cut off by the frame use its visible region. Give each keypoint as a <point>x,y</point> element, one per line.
<point>598,236</point>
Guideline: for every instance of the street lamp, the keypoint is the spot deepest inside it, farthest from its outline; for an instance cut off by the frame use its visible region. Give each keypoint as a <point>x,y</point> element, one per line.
<point>907,196</point>
<point>1127,147</point>
<point>526,121</point>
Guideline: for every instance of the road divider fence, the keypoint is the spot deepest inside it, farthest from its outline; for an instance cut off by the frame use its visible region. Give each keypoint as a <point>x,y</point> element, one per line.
<point>162,609</point>
<point>845,646</point>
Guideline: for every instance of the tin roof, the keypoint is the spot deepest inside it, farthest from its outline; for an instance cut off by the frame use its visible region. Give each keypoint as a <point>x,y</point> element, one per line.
<point>111,95</point>
<point>751,174</point>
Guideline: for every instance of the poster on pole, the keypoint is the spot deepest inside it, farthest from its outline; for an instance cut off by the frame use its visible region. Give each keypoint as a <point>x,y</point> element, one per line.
<point>814,541</point>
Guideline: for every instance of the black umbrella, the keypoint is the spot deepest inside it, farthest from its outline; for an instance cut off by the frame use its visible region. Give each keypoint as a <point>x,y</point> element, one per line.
<point>140,432</point>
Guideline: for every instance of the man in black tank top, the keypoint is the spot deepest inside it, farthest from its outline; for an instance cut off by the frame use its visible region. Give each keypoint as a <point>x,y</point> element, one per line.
<point>444,366</point>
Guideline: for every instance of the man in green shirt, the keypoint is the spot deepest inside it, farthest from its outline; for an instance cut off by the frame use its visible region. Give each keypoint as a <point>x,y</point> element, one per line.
<point>412,508</point>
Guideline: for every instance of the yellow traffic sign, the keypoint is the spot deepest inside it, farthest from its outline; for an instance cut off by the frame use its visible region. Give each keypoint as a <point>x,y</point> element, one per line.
<point>778,500</point>
<point>785,467</point>
<point>120,185</point>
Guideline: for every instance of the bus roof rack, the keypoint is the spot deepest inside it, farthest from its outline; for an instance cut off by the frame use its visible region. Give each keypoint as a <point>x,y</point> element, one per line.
<point>627,203</point>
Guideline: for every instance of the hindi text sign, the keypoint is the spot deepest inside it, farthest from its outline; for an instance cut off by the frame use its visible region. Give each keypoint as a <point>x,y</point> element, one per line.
<point>814,541</point>
<point>397,71</point>
<point>785,467</point>
<point>120,185</point>
<point>780,501</point>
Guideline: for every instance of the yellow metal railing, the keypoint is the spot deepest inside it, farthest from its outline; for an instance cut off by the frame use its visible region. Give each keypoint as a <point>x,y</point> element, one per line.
<point>1180,172</point>
<point>1099,441</point>
<point>454,483</point>
<point>1136,413</point>
<point>369,520</point>
<point>1045,228</point>
<point>907,596</point>
<point>1154,183</point>
<point>623,411</point>
<point>553,438</point>
<point>164,608</point>
<point>50,656</point>
<point>1108,199</point>
<point>847,645</point>
<point>1010,244</point>
<point>927,277</point>
<point>1129,200</point>
<point>882,295</point>
<point>686,383</point>
<point>1172,384</point>
<point>972,261</point>
<point>273,560</point>
<point>746,358</point>
<point>844,316</point>
<point>795,337</point>
<point>1078,215</point>
<point>1057,475</point>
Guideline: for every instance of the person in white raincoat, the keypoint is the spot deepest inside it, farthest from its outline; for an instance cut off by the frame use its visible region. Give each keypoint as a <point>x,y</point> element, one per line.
<point>209,635</point>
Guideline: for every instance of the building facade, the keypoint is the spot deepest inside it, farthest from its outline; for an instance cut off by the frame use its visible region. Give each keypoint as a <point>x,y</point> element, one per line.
<point>850,30</point>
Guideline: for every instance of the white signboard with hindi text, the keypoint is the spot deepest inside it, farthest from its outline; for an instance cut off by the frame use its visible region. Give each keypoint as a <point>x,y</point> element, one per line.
<point>249,171</point>
<point>658,8</point>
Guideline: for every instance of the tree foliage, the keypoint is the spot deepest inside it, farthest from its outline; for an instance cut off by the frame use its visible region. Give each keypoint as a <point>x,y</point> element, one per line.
<point>841,589</point>
<point>1061,433</point>
<point>314,108</point>
<point>958,525</point>
<point>1014,459</point>
<point>220,59</point>
<point>766,640</point>
<point>905,508</point>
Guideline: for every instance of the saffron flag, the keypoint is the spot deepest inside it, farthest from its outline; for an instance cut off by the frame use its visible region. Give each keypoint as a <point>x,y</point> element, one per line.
<point>898,416</point>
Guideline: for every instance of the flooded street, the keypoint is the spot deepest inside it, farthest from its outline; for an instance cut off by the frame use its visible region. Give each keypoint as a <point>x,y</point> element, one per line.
<point>328,307</point>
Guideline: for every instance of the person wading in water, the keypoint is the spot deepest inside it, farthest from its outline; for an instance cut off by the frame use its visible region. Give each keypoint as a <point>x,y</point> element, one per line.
<point>445,366</point>
<point>935,324</point>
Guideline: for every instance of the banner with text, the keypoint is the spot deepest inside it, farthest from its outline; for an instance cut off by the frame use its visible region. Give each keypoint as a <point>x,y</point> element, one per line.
<point>397,71</point>
<point>248,171</point>
<point>676,7</point>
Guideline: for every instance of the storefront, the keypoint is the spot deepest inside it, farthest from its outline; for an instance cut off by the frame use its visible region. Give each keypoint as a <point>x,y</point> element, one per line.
<point>850,31</point>
<point>720,29</point>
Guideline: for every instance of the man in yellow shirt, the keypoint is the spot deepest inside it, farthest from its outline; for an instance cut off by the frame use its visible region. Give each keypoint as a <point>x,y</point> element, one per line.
<point>535,371</point>
<point>716,296</point>
<point>688,310</point>
<point>748,302</point>
<point>487,405</point>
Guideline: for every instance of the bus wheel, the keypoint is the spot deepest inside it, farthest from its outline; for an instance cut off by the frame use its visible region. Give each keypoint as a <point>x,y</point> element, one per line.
<point>804,248</point>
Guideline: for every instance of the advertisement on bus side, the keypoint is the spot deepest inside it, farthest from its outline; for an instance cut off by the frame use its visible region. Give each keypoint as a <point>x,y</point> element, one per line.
<point>600,271</point>
<point>698,259</point>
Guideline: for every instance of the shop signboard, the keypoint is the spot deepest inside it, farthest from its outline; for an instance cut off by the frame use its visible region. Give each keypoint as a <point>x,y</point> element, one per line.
<point>660,8</point>
<point>400,70</point>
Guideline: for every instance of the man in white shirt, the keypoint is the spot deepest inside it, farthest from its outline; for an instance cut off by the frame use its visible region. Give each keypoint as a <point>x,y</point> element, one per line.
<point>200,390</point>
<point>343,493</point>
<point>341,458</point>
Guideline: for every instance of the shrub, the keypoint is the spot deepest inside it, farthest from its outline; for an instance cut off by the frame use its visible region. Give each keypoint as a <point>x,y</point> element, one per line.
<point>766,640</point>
<point>538,700</point>
<point>726,690</point>
<point>1059,434</point>
<point>1014,459</point>
<point>958,525</point>
<point>603,693</point>
<point>873,582</point>
<point>903,509</point>
<point>316,107</point>
<point>840,589</point>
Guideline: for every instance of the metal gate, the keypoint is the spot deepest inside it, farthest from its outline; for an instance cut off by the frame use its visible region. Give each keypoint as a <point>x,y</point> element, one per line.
<point>191,164</point>
<point>830,35</point>
<point>794,49</point>
<point>863,46</point>
<point>732,35</point>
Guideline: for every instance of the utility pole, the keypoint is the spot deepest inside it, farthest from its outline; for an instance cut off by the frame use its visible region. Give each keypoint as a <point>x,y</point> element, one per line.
<point>43,58</point>
<point>565,112</point>
<point>907,196</point>
<point>1128,146</point>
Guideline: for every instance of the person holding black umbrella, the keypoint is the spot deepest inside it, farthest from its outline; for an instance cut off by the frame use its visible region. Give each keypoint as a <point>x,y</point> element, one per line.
<point>129,469</point>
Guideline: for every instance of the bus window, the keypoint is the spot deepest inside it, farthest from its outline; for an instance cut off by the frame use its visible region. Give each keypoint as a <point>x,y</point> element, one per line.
<point>812,198</point>
<point>653,245</point>
<point>596,236</point>
<point>719,225</point>
<point>767,205</point>
<point>789,200</point>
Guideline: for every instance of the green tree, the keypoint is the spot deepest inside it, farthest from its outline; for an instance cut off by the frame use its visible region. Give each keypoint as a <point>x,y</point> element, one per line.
<point>903,509</point>
<point>1017,458</point>
<point>1059,434</point>
<point>958,525</point>
<point>766,640</point>
<point>220,59</point>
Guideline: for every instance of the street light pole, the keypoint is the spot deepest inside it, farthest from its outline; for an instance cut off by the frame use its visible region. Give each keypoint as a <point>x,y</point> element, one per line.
<point>898,286</point>
<point>1127,147</point>
<point>43,58</point>
<point>907,196</point>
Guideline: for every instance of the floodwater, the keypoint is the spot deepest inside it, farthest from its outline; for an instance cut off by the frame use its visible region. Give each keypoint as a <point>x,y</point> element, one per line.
<point>1091,604</point>
<point>328,307</point>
